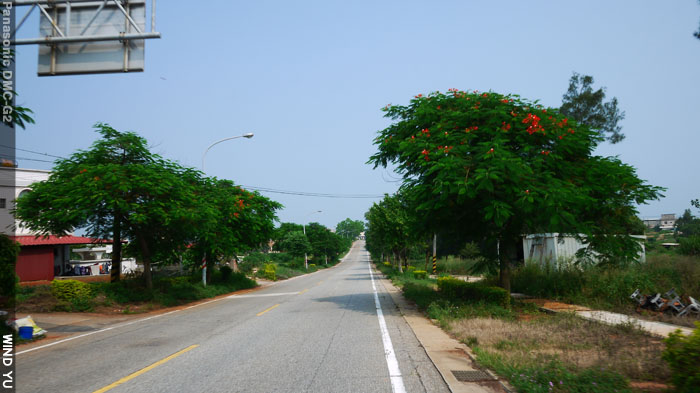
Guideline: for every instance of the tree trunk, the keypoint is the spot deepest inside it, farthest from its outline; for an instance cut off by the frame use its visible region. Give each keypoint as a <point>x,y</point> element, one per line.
<point>115,273</point>
<point>235,264</point>
<point>397,257</point>
<point>210,267</point>
<point>504,260</point>
<point>146,259</point>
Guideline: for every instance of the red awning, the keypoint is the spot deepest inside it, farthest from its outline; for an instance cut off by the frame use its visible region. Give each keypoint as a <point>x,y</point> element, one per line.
<point>55,240</point>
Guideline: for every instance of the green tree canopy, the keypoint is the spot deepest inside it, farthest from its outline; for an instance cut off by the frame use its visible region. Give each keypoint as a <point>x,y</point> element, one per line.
<point>586,106</point>
<point>118,189</point>
<point>350,229</point>
<point>283,230</point>
<point>296,244</point>
<point>687,225</point>
<point>103,189</point>
<point>389,229</point>
<point>500,166</point>
<point>232,220</point>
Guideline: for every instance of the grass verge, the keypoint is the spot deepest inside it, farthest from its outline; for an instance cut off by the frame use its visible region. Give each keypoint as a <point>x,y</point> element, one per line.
<point>538,352</point>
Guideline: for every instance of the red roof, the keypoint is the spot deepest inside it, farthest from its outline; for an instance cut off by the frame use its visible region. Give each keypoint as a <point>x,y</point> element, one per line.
<point>31,240</point>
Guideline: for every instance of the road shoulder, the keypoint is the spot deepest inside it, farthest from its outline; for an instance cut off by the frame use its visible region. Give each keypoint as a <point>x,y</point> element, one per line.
<point>446,353</point>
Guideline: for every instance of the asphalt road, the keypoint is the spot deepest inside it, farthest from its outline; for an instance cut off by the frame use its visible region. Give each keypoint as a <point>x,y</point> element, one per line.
<point>315,333</point>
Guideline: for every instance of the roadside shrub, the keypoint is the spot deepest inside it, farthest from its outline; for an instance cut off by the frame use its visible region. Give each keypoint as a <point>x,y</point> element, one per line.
<point>268,271</point>
<point>9,249</point>
<point>535,280</point>
<point>422,295</point>
<point>312,265</point>
<point>452,288</point>
<point>690,245</point>
<point>387,264</point>
<point>420,274</point>
<point>70,290</point>
<point>225,273</point>
<point>683,356</point>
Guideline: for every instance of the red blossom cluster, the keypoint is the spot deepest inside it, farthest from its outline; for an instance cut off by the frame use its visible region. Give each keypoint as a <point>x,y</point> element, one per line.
<point>425,155</point>
<point>545,152</point>
<point>425,132</point>
<point>505,127</point>
<point>472,128</point>
<point>534,122</point>
<point>490,151</point>
<point>418,96</point>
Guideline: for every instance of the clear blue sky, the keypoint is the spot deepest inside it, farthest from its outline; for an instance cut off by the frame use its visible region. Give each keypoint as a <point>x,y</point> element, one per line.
<point>309,79</point>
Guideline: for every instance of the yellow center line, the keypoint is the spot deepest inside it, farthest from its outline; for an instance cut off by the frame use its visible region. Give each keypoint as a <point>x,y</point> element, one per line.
<point>263,312</point>
<point>145,370</point>
<point>305,290</point>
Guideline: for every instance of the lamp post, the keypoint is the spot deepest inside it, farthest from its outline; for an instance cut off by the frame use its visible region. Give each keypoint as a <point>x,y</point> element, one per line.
<point>306,257</point>
<point>248,135</point>
<point>204,260</point>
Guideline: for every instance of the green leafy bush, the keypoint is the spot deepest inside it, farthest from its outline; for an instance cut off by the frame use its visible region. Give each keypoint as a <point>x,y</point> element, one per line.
<point>225,273</point>
<point>422,295</point>
<point>9,250</point>
<point>690,245</point>
<point>70,290</point>
<point>683,356</point>
<point>268,271</point>
<point>452,288</point>
<point>420,274</point>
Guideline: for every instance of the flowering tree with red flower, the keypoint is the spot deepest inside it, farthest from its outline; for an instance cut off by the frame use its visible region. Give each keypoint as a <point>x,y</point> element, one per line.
<point>495,167</point>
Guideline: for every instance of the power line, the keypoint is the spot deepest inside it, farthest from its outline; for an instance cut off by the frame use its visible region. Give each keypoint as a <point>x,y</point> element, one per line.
<point>25,158</point>
<point>32,151</point>
<point>314,194</point>
<point>261,189</point>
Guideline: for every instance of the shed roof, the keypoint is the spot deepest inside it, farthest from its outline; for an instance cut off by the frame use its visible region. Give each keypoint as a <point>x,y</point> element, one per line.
<point>51,240</point>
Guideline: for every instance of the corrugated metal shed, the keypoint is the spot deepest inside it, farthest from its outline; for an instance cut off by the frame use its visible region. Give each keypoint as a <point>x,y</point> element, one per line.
<point>555,249</point>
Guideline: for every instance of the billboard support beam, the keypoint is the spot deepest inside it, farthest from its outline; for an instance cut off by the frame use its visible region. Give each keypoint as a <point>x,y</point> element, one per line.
<point>89,36</point>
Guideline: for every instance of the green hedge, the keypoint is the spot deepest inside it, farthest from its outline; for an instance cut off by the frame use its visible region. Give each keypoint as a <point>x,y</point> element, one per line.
<point>9,249</point>
<point>683,356</point>
<point>269,271</point>
<point>420,274</point>
<point>452,288</point>
<point>71,290</point>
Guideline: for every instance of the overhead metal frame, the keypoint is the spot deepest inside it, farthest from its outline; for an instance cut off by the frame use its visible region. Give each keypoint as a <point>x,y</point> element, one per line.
<point>66,37</point>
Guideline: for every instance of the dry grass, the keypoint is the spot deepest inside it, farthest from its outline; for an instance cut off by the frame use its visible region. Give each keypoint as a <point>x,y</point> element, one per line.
<point>571,340</point>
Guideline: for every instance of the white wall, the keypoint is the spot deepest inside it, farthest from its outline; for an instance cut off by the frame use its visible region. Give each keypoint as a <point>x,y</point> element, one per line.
<point>12,182</point>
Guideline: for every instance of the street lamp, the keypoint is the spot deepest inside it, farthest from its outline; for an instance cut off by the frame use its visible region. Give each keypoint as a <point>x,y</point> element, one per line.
<point>306,257</point>
<point>248,136</point>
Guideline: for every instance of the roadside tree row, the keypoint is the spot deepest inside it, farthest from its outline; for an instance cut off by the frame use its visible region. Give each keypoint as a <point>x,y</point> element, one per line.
<point>119,190</point>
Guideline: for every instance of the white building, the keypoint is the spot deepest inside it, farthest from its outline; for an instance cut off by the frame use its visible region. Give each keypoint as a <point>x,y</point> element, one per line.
<point>13,183</point>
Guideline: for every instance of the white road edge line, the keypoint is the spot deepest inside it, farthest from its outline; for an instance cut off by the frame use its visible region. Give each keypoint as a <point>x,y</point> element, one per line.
<point>393,364</point>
